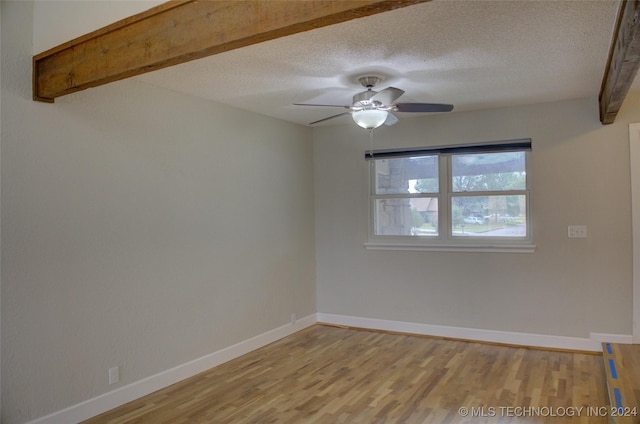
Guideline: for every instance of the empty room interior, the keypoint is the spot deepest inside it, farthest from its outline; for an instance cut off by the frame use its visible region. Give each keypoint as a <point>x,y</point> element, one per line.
<point>368,211</point>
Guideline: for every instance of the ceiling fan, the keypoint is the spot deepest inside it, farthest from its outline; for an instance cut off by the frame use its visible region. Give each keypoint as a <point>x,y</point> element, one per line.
<point>371,109</point>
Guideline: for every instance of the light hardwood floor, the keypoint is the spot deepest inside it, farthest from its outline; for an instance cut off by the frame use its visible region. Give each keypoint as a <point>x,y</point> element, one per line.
<point>326,374</point>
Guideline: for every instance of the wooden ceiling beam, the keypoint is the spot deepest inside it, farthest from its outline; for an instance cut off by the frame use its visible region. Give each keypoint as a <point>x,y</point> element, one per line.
<point>183,30</point>
<point>623,63</point>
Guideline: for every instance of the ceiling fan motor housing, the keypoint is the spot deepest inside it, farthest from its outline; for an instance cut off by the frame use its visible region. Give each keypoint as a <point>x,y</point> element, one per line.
<point>362,99</point>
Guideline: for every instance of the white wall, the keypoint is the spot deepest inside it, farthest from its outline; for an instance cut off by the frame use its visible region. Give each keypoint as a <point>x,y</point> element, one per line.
<point>580,172</point>
<point>140,228</point>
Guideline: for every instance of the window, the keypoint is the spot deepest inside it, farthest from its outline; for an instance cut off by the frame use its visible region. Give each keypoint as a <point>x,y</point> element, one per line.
<point>452,198</point>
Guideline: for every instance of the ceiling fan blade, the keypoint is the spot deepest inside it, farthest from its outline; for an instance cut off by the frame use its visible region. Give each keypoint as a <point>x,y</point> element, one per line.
<point>387,96</point>
<point>423,107</point>
<point>310,104</point>
<point>391,120</point>
<point>331,117</point>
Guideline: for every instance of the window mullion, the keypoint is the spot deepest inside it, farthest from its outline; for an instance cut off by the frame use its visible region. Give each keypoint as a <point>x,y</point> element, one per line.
<point>444,217</point>
<point>404,196</point>
<point>488,193</point>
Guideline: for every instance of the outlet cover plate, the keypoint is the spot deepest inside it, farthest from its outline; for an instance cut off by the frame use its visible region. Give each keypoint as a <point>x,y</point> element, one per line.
<point>577,231</point>
<point>114,375</point>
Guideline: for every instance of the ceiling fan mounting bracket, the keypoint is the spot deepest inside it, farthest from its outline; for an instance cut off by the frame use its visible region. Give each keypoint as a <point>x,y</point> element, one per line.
<point>369,81</point>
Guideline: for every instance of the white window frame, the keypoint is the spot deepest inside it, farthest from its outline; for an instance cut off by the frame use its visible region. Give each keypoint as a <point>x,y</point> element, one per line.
<point>445,240</point>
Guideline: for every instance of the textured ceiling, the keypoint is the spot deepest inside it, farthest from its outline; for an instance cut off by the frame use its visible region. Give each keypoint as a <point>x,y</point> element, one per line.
<point>473,54</point>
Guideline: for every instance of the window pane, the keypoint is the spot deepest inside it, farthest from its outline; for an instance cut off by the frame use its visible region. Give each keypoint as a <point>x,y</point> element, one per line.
<point>406,217</point>
<point>488,172</point>
<point>406,175</point>
<point>489,216</point>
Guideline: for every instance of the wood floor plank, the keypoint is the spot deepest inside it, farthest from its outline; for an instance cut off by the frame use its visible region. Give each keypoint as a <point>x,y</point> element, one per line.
<point>327,374</point>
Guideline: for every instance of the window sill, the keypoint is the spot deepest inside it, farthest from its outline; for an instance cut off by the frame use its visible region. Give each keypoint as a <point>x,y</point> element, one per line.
<point>512,248</point>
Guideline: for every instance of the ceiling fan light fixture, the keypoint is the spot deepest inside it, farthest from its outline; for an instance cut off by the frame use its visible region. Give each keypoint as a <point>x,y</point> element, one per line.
<point>369,118</point>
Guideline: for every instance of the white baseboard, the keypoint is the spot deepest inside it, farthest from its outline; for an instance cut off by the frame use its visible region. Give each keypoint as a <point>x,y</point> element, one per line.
<point>611,338</point>
<point>592,344</point>
<point>120,396</point>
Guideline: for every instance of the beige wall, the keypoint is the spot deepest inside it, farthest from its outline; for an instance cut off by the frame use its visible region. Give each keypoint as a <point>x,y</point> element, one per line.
<point>580,172</point>
<point>143,228</point>
<point>51,25</point>
<point>140,228</point>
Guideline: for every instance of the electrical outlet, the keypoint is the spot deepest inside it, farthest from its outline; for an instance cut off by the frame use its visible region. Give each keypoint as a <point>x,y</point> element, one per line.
<point>577,231</point>
<point>293,318</point>
<point>114,375</point>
